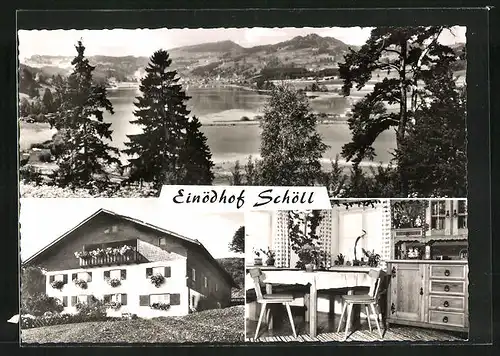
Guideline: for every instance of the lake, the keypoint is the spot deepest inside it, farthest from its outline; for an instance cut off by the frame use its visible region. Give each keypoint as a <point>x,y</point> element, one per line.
<point>237,142</point>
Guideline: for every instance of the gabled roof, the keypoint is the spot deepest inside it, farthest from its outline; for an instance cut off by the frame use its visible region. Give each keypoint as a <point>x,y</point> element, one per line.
<point>192,242</point>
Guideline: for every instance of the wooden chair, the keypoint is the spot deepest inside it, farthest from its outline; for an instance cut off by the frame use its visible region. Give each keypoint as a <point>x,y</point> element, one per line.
<point>274,298</point>
<point>370,301</point>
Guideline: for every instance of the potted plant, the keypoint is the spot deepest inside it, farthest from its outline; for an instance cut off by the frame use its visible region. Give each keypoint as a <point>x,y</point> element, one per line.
<point>157,279</point>
<point>340,260</point>
<point>257,260</point>
<point>114,305</point>
<point>80,283</point>
<point>308,255</point>
<point>160,306</point>
<point>57,284</point>
<point>114,282</point>
<point>373,258</point>
<point>82,254</point>
<point>270,256</point>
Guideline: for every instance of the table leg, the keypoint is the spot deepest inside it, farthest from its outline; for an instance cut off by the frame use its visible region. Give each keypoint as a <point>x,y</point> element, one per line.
<point>307,306</point>
<point>269,290</point>
<point>313,309</point>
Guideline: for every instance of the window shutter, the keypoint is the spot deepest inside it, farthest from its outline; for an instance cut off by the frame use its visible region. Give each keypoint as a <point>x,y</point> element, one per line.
<point>124,299</point>
<point>123,274</point>
<point>90,277</point>
<point>144,300</point>
<point>74,276</point>
<point>107,298</point>
<point>167,272</point>
<point>175,299</point>
<point>106,274</point>
<point>65,302</point>
<point>51,279</point>
<point>89,299</point>
<point>65,278</point>
<point>149,272</point>
<point>73,301</point>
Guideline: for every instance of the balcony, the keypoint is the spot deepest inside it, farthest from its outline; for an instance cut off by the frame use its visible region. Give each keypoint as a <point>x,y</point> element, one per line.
<point>108,254</point>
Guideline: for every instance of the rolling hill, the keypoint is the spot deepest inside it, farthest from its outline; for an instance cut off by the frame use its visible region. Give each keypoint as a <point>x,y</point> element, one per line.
<point>225,59</point>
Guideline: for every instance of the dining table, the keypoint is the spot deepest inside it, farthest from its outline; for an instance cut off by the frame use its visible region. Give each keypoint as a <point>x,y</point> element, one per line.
<point>337,277</point>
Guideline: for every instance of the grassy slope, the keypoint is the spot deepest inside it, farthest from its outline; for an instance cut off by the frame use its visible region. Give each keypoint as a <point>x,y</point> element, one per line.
<point>221,325</point>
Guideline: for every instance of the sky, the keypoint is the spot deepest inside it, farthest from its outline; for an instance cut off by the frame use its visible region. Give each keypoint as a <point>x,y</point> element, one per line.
<point>44,220</point>
<point>143,42</point>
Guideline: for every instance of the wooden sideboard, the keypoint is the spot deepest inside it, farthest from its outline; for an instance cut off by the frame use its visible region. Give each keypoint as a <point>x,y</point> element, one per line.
<point>428,293</point>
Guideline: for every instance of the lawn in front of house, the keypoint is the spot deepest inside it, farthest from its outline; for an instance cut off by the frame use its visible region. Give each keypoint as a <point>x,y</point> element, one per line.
<point>211,326</point>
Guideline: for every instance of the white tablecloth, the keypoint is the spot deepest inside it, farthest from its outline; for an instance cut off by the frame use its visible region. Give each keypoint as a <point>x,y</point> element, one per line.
<point>324,279</point>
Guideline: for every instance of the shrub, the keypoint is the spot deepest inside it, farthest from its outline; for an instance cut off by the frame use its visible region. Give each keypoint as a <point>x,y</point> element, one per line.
<point>29,174</point>
<point>93,308</point>
<point>28,322</point>
<point>245,118</point>
<point>44,156</point>
<point>39,304</point>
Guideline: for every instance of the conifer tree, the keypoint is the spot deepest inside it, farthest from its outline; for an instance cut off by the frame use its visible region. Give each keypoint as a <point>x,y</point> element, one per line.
<point>171,149</point>
<point>434,152</point>
<point>83,156</point>
<point>48,101</point>
<point>405,54</point>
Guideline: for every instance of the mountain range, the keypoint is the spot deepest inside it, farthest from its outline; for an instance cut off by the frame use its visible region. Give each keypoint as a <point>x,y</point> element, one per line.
<point>225,58</point>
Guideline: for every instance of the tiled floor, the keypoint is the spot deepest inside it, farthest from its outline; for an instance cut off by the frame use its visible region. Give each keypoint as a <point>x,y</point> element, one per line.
<point>327,331</point>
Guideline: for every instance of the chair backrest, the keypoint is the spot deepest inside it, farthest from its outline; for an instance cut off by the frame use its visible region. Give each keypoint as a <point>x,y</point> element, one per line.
<point>256,274</point>
<point>376,279</point>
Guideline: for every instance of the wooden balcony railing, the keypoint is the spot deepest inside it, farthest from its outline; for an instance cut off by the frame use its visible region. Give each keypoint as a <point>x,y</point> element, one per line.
<point>129,258</point>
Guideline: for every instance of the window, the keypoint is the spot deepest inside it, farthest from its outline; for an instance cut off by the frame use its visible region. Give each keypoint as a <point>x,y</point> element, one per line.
<point>162,241</point>
<point>114,228</point>
<point>462,214</point>
<point>83,275</point>
<point>59,277</point>
<point>82,299</point>
<point>193,274</point>
<point>437,215</point>
<point>159,298</point>
<point>158,270</point>
<point>164,271</point>
<point>205,282</point>
<point>216,287</point>
<point>116,298</point>
<point>115,274</point>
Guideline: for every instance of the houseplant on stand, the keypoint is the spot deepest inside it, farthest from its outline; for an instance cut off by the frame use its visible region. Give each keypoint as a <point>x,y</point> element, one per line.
<point>257,260</point>
<point>308,255</point>
<point>270,256</point>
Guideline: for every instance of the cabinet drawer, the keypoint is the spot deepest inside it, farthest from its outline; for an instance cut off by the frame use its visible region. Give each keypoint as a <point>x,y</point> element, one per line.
<point>446,303</point>
<point>447,287</point>
<point>445,272</point>
<point>446,318</point>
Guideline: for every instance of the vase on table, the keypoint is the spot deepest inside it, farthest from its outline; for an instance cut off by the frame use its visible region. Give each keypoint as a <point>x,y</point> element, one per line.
<point>309,267</point>
<point>257,261</point>
<point>270,262</point>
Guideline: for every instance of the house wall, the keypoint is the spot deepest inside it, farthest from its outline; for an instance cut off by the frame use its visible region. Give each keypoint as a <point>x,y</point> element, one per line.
<point>203,269</point>
<point>135,285</point>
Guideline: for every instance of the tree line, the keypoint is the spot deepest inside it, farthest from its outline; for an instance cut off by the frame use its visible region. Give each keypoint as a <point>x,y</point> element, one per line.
<point>427,112</point>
